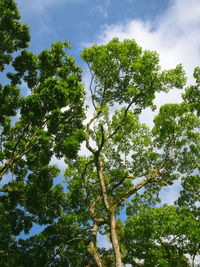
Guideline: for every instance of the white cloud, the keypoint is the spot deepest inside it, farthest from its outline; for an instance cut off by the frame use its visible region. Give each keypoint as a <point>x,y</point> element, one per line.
<point>174,34</point>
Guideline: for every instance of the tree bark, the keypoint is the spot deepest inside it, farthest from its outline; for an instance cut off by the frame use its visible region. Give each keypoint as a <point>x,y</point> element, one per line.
<point>111,212</point>
<point>92,246</point>
<point>6,168</point>
<point>109,207</point>
<point>114,238</point>
<point>99,165</point>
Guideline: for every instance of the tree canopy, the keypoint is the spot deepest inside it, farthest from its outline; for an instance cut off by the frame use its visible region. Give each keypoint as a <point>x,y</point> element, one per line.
<point>34,125</point>
<point>111,188</point>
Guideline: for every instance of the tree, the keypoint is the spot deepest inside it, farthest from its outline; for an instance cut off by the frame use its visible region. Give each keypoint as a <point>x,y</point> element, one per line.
<point>125,155</point>
<point>126,166</point>
<point>33,128</point>
<point>14,35</point>
<point>166,234</point>
<point>163,237</point>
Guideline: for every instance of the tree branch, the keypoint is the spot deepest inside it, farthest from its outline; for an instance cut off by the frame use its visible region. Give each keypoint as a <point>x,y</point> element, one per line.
<point>122,121</point>
<point>97,220</point>
<point>92,249</point>
<point>11,189</point>
<point>20,137</point>
<point>88,130</point>
<point>102,138</point>
<point>90,88</point>
<point>14,158</point>
<point>99,165</point>
<point>151,176</point>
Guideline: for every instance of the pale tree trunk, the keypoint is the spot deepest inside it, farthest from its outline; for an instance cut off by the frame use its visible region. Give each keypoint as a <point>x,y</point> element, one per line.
<point>110,210</point>
<point>92,246</point>
<point>111,213</point>
<point>114,239</point>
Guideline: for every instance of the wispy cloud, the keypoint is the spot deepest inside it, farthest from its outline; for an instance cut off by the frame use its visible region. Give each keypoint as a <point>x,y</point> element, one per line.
<point>39,10</point>
<point>102,7</point>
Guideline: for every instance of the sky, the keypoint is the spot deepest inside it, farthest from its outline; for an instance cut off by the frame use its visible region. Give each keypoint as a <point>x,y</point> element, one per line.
<point>81,21</point>
<point>170,27</point>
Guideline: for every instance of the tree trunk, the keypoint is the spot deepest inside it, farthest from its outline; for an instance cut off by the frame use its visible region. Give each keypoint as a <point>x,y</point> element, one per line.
<point>114,239</point>
<point>92,246</point>
<point>111,213</point>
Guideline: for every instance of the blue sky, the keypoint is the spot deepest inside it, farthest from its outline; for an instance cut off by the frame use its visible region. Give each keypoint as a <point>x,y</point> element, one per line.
<point>81,21</point>
<point>171,27</point>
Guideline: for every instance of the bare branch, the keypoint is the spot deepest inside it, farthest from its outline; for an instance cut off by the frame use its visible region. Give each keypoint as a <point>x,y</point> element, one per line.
<point>102,138</point>
<point>92,93</point>
<point>88,132</point>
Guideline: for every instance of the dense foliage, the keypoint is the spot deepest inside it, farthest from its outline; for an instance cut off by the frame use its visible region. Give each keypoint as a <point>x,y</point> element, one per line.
<point>113,187</point>
<point>35,124</point>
